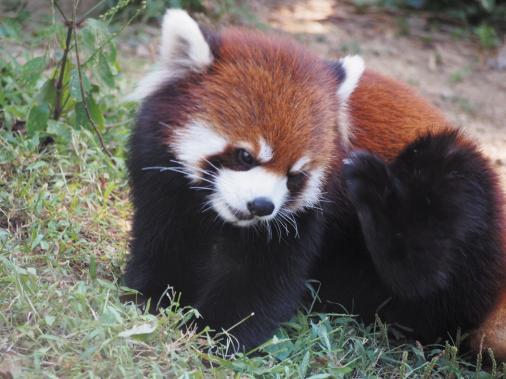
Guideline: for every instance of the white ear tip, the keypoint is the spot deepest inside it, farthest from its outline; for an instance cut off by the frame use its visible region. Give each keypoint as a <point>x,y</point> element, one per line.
<point>353,66</point>
<point>172,15</point>
<point>355,62</point>
<point>183,48</point>
<point>178,27</point>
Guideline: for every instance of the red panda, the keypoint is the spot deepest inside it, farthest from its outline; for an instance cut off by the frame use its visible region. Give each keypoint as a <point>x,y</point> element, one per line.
<point>256,166</point>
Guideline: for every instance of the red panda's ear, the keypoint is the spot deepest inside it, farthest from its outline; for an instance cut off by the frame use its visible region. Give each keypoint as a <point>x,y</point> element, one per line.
<point>352,68</point>
<point>348,71</point>
<point>183,48</point>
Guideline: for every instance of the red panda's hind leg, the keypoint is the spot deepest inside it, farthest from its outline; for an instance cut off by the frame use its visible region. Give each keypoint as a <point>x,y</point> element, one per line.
<point>431,223</point>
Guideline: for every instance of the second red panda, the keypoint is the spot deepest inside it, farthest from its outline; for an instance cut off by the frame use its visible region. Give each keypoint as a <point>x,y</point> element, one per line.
<point>256,166</point>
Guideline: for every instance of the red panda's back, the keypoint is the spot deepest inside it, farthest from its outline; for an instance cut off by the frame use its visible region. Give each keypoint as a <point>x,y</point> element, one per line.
<point>386,115</point>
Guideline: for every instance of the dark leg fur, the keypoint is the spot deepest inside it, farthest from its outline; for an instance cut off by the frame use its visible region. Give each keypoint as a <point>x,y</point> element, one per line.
<point>430,221</point>
<point>230,276</point>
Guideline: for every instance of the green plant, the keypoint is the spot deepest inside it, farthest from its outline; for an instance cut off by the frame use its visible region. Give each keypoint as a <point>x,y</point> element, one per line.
<point>69,82</point>
<point>487,36</point>
<point>459,75</point>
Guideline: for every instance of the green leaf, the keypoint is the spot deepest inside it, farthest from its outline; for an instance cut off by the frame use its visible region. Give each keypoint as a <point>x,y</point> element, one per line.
<point>10,28</point>
<point>88,38</point>
<point>93,268</point>
<point>139,330</point>
<point>304,365</point>
<point>49,320</point>
<point>81,118</point>
<point>47,93</point>
<point>37,241</point>
<point>58,130</point>
<point>47,32</point>
<point>99,28</point>
<point>94,34</point>
<point>75,85</point>
<point>37,118</point>
<point>110,52</point>
<point>280,348</point>
<point>487,36</point>
<point>37,165</point>
<point>104,71</point>
<point>320,376</point>
<point>32,70</point>
<point>96,113</point>
<point>111,316</point>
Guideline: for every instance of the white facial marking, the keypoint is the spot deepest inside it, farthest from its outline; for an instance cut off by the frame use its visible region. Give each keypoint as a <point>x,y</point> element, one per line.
<point>353,67</point>
<point>195,142</point>
<point>265,153</point>
<point>183,48</point>
<point>299,165</point>
<point>234,189</point>
<point>312,191</point>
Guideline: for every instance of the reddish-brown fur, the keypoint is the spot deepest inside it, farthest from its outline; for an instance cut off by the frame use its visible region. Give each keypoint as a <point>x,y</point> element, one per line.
<point>271,89</point>
<point>398,115</point>
<point>492,333</point>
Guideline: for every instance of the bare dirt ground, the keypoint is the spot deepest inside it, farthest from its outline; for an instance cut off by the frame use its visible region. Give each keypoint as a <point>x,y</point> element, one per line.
<point>455,74</point>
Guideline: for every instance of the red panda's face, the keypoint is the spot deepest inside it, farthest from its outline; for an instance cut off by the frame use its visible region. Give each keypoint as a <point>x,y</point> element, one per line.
<point>244,180</point>
<point>258,130</point>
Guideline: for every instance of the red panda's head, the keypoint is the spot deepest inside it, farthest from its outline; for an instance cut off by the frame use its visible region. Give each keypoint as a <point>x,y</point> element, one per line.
<point>252,120</point>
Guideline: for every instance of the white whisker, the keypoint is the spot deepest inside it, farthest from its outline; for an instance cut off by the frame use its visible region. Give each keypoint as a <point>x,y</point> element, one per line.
<point>269,230</point>
<point>285,214</point>
<point>205,172</point>
<point>279,217</point>
<point>276,225</point>
<point>212,165</point>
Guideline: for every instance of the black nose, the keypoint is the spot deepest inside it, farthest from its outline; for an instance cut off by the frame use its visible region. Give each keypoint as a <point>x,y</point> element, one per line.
<point>261,206</point>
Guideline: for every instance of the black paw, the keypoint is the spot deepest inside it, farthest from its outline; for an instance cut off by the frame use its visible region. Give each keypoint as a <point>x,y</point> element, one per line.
<point>366,179</point>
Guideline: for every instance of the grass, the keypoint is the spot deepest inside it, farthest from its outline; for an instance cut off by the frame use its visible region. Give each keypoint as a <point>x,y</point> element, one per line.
<point>64,220</point>
<point>64,231</point>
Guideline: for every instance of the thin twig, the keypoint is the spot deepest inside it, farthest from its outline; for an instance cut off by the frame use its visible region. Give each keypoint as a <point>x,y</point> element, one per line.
<point>90,11</point>
<point>59,84</point>
<point>55,2</point>
<point>81,87</point>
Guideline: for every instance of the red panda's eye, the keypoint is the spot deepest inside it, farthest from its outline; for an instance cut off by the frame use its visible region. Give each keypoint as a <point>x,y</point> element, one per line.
<point>296,181</point>
<point>244,158</point>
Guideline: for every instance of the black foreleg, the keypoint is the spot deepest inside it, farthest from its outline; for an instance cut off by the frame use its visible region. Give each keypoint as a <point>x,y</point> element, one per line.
<point>431,223</point>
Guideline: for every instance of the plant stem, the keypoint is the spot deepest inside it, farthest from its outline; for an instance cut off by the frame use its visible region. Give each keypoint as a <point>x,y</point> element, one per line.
<point>59,84</point>
<point>90,11</point>
<point>81,87</point>
<point>61,12</point>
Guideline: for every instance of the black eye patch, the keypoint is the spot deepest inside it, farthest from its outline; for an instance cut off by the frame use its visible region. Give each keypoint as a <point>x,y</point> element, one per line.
<point>296,182</point>
<point>237,159</point>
